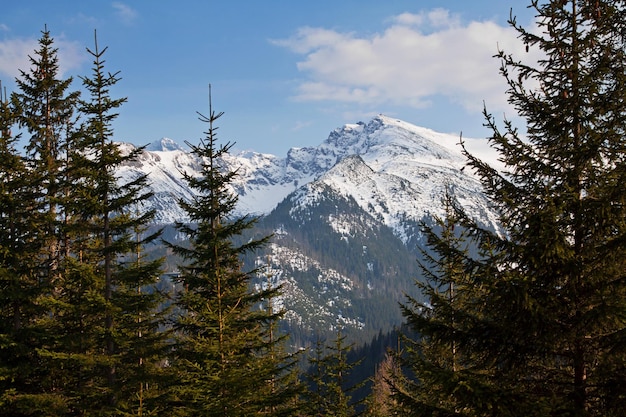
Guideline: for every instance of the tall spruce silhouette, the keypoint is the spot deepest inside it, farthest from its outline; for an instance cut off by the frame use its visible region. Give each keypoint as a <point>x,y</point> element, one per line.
<point>544,333</point>
<point>226,351</point>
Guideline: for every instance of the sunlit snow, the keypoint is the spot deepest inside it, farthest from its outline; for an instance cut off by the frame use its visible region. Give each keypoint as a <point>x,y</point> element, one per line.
<point>394,170</point>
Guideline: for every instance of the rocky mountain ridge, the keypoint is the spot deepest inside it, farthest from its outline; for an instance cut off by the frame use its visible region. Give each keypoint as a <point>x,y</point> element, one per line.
<point>392,168</point>
<point>344,215</point>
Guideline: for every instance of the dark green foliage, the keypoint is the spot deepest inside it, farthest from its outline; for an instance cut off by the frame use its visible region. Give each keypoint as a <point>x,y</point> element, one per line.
<point>46,110</point>
<point>30,270</point>
<point>107,274</point>
<point>564,207</point>
<point>329,379</point>
<point>446,368</point>
<point>20,282</point>
<point>541,329</point>
<point>228,359</point>
<point>366,375</point>
<point>81,334</point>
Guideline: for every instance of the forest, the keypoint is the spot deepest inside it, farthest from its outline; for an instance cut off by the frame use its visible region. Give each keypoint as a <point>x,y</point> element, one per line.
<point>528,320</point>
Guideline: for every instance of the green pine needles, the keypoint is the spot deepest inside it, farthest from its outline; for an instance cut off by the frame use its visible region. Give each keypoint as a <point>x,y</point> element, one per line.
<point>81,327</point>
<point>536,322</point>
<point>527,320</point>
<point>227,359</point>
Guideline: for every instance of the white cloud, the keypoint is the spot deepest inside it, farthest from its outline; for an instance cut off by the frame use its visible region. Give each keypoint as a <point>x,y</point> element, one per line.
<point>72,56</point>
<point>126,13</point>
<point>14,55</point>
<point>417,57</point>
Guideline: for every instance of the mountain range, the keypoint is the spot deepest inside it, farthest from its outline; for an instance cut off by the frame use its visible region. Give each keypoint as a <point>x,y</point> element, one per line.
<point>345,217</point>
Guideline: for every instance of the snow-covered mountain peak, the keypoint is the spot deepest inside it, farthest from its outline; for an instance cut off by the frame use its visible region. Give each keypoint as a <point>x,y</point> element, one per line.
<point>348,139</point>
<point>346,213</point>
<point>398,173</point>
<point>394,170</point>
<point>385,137</point>
<point>164,145</point>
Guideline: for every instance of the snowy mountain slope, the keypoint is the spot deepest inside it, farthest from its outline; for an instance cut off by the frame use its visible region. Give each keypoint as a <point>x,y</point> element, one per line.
<point>163,162</point>
<point>338,265</point>
<point>310,309</point>
<point>392,168</point>
<point>360,218</point>
<point>345,216</point>
<point>398,172</point>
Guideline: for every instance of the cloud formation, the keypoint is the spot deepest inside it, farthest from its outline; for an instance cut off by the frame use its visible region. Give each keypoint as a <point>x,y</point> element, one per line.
<point>417,57</point>
<point>14,55</point>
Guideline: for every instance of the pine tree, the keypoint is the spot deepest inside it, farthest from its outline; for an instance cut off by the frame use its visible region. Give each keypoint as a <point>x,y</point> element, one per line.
<point>284,390</point>
<point>563,205</point>
<point>545,332</point>
<point>450,374</point>
<point>99,342</point>
<point>381,402</point>
<point>45,108</point>
<point>225,355</point>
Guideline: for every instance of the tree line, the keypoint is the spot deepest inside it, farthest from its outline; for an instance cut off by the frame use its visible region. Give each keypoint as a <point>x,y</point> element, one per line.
<point>528,320</point>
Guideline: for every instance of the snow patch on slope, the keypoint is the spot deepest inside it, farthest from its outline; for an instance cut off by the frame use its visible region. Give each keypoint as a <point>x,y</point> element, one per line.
<point>330,297</point>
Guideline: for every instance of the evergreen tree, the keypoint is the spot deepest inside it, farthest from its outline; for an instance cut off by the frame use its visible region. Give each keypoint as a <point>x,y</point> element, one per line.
<point>43,107</point>
<point>330,394</point>
<point>284,390</point>
<point>81,330</point>
<point>442,362</point>
<point>112,345</point>
<point>380,402</point>
<point>225,355</point>
<point>544,323</point>
<point>20,282</point>
<point>563,206</point>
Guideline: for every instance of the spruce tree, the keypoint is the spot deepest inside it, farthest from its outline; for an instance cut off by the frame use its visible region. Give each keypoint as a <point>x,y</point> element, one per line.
<point>45,107</point>
<point>435,358</point>
<point>563,206</point>
<point>42,107</point>
<point>543,331</point>
<point>380,402</point>
<point>330,393</point>
<point>21,379</point>
<point>225,356</point>
<point>82,327</point>
<point>112,342</point>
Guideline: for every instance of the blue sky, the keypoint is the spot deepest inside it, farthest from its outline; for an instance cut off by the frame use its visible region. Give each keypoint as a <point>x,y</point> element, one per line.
<point>285,72</point>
